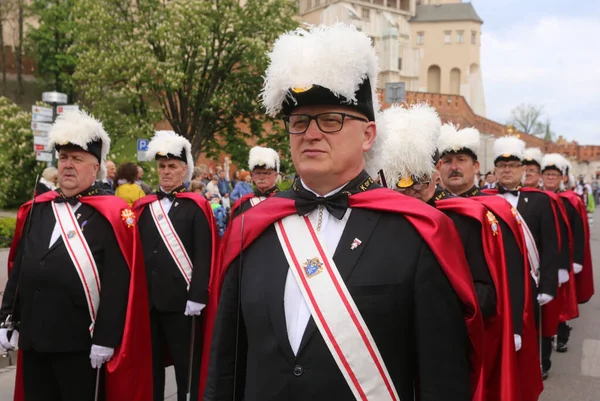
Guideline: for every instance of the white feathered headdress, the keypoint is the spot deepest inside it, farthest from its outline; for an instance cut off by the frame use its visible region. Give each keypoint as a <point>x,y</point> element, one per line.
<point>263,157</point>
<point>409,138</point>
<point>508,146</point>
<point>338,58</point>
<point>532,155</point>
<point>454,140</point>
<point>80,129</point>
<point>169,144</point>
<point>556,161</point>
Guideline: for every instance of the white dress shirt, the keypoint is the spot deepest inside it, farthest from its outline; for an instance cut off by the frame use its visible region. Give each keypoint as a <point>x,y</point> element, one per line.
<point>166,202</point>
<point>512,199</point>
<point>297,313</point>
<point>56,231</point>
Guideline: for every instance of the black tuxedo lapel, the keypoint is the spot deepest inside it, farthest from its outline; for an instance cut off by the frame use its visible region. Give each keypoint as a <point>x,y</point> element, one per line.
<point>275,288</point>
<point>360,226</point>
<point>175,207</point>
<point>523,203</point>
<point>82,215</point>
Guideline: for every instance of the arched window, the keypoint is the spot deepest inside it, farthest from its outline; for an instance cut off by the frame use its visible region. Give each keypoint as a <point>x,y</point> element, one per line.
<point>434,79</point>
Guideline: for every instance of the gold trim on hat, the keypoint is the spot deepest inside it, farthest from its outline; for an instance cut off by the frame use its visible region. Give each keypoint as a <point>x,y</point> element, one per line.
<point>301,90</point>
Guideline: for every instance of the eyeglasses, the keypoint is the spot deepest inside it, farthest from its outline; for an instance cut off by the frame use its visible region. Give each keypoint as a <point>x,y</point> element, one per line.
<point>511,166</point>
<point>532,171</point>
<point>328,123</point>
<point>551,175</point>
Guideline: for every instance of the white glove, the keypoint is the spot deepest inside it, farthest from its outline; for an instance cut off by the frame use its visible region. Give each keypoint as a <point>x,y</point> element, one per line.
<point>577,268</point>
<point>4,343</point>
<point>517,342</point>
<point>193,308</point>
<point>543,299</point>
<point>563,276</point>
<point>100,355</point>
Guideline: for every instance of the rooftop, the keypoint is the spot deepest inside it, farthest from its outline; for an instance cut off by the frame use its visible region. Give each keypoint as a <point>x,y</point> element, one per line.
<point>446,12</point>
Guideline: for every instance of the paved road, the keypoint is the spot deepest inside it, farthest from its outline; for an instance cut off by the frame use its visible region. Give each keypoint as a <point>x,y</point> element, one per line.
<point>575,375</point>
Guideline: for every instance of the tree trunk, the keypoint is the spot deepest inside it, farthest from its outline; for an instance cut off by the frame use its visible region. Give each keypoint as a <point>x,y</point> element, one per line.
<point>19,55</point>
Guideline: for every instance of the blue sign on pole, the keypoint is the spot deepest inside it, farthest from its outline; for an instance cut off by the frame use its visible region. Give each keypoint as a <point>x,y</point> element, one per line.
<point>142,145</point>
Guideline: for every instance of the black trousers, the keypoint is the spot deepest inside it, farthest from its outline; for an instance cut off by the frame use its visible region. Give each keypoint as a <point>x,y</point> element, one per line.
<point>563,333</point>
<point>61,376</point>
<point>546,341</point>
<point>171,333</point>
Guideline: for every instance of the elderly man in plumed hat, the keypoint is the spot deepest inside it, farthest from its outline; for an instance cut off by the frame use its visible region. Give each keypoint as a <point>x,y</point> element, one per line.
<point>73,288</point>
<point>264,167</point>
<point>338,289</point>
<point>178,235</point>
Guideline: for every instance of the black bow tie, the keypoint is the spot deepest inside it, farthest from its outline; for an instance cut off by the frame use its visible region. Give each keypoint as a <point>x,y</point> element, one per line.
<point>336,204</point>
<point>169,195</point>
<point>502,190</point>
<point>71,201</point>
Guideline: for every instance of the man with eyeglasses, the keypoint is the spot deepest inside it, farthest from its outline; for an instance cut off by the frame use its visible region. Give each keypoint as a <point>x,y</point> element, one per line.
<point>538,211</point>
<point>457,166</point>
<point>338,289</point>
<point>264,167</point>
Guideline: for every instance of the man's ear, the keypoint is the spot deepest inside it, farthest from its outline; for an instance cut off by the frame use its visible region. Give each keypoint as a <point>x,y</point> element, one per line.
<point>369,136</point>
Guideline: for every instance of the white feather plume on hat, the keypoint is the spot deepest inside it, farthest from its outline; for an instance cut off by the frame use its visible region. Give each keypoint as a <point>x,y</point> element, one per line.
<point>164,143</point>
<point>453,140</point>
<point>263,157</point>
<point>81,129</point>
<point>555,160</point>
<point>508,146</point>
<point>533,154</point>
<point>409,142</point>
<point>337,57</point>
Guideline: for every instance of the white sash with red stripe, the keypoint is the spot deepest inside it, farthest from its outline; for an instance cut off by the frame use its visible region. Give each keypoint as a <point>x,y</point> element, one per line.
<point>532,251</point>
<point>256,200</point>
<point>172,241</point>
<point>334,311</point>
<point>80,254</point>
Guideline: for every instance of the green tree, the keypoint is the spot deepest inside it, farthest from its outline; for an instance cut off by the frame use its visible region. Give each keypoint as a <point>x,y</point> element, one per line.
<point>18,167</point>
<point>50,42</point>
<point>197,64</point>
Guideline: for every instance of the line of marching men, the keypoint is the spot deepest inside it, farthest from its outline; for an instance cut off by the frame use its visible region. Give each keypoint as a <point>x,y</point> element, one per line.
<point>339,288</point>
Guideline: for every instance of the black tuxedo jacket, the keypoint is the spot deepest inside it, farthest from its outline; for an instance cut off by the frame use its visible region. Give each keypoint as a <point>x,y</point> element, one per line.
<point>536,209</point>
<point>51,302</point>
<point>247,205</point>
<point>469,231</point>
<point>515,266</point>
<point>399,288</point>
<point>578,233</point>
<point>167,288</point>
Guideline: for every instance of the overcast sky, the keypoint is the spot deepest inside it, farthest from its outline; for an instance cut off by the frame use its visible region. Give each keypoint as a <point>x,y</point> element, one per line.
<point>543,52</point>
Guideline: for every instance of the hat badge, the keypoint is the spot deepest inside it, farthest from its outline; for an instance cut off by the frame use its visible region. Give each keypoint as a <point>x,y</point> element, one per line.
<point>505,154</point>
<point>302,89</point>
<point>405,182</point>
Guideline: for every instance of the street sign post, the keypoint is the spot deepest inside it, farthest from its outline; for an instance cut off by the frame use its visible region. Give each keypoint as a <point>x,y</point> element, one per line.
<point>395,92</point>
<point>66,108</point>
<point>42,119</point>
<point>142,148</point>
<point>43,156</point>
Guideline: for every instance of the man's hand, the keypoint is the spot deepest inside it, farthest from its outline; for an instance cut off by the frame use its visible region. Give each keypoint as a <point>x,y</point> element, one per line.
<point>577,268</point>
<point>543,299</point>
<point>193,308</point>
<point>100,355</point>
<point>517,342</point>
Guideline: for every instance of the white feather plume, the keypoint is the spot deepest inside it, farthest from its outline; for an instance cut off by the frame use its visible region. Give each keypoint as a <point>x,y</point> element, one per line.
<point>165,142</point>
<point>452,139</point>
<point>509,145</point>
<point>337,57</point>
<point>409,139</point>
<point>80,128</point>
<point>263,157</point>
<point>533,154</point>
<point>555,160</point>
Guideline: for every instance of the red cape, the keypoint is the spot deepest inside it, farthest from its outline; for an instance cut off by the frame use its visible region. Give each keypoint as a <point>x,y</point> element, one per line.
<point>203,204</point>
<point>499,356</point>
<point>428,222</point>
<point>129,372</point>
<point>585,279</point>
<point>528,357</point>
<point>241,201</point>
<point>552,310</point>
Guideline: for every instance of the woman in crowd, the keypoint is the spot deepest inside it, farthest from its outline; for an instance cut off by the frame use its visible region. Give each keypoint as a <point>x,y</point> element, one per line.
<point>126,178</point>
